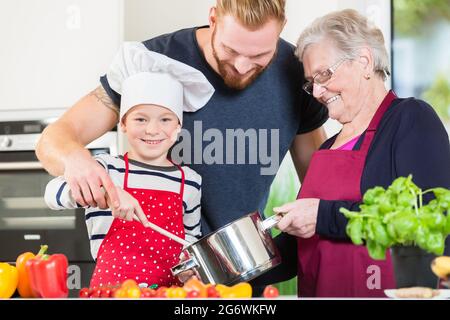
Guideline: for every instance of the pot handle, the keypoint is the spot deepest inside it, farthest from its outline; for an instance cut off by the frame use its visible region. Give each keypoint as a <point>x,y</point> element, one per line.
<point>184,266</point>
<point>272,221</point>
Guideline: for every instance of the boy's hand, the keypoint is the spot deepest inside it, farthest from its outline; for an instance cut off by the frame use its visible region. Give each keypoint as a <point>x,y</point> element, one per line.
<point>129,208</point>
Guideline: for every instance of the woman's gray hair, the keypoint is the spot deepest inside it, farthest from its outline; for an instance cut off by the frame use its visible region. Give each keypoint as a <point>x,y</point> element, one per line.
<point>350,31</point>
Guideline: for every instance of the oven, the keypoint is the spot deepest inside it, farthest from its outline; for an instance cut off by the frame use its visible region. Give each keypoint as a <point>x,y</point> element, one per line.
<point>25,220</point>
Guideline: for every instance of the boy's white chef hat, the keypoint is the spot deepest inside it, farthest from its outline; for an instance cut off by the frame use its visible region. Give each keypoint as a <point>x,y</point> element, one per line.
<point>142,76</point>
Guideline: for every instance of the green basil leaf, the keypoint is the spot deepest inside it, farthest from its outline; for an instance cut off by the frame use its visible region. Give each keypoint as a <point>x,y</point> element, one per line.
<point>376,250</point>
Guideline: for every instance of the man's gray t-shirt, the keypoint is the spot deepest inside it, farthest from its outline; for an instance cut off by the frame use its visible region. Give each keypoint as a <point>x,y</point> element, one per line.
<point>238,139</point>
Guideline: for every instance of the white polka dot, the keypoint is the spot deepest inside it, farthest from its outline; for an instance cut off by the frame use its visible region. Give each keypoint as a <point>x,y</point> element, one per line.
<point>127,262</point>
<point>143,270</point>
<point>160,204</point>
<point>134,257</point>
<point>134,234</point>
<point>118,237</point>
<point>121,244</point>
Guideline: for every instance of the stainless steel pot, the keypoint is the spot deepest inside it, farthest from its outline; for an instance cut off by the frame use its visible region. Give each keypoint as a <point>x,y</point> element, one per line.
<point>239,251</point>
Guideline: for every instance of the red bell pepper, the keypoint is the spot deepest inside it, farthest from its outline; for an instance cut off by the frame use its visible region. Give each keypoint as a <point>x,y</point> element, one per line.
<point>48,274</point>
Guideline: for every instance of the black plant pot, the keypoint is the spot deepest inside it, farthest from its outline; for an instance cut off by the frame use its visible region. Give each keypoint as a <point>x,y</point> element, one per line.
<point>412,267</point>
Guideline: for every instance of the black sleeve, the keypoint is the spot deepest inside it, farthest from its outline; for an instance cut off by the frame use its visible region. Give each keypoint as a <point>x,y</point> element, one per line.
<point>422,148</point>
<point>115,97</point>
<point>312,114</point>
<point>330,222</point>
<point>287,269</point>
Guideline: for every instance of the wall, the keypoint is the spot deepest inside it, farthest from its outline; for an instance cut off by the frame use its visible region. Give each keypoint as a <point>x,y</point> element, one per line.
<point>53,51</point>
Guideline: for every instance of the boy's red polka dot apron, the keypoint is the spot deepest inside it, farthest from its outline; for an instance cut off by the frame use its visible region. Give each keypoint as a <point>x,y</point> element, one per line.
<point>131,251</point>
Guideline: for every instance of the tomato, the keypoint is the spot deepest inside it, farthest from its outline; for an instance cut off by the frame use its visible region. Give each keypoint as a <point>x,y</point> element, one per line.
<point>270,292</point>
<point>84,293</point>
<point>96,292</point>
<point>148,293</point>
<point>105,292</point>
<point>212,292</point>
<point>193,294</point>
<point>195,284</point>
<point>161,292</point>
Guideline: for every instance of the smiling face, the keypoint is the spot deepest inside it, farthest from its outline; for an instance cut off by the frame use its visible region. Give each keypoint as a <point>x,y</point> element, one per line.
<point>343,93</point>
<point>151,131</point>
<point>241,54</point>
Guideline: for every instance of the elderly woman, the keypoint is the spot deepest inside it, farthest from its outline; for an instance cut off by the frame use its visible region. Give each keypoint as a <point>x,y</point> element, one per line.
<point>382,137</point>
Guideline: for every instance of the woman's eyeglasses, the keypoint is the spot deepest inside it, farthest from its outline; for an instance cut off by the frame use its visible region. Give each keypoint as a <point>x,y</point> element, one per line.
<point>322,77</point>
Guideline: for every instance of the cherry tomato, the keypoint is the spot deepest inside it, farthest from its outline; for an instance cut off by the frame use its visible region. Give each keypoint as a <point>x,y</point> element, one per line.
<point>195,284</point>
<point>106,292</point>
<point>212,292</point>
<point>84,293</point>
<point>148,293</point>
<point>96,292</point>
<point>270,292</point>
<point>193,294</point>
<point>161,292</point>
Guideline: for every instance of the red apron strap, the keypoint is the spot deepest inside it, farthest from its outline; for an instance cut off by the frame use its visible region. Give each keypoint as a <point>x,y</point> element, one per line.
<point>125,179</point>
<point>374,123</point>
<point>182,179</point>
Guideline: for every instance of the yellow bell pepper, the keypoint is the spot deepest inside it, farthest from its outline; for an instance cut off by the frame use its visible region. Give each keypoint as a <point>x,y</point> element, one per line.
<point>240,290</point>
<point>9,278</point>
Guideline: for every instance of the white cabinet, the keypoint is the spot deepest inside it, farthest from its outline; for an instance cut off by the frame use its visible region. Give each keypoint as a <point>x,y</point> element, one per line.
<point>54,51</point>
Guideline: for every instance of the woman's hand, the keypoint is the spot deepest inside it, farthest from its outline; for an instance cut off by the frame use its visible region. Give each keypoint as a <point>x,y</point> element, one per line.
<point>129,208</point>
<point>300,217</point>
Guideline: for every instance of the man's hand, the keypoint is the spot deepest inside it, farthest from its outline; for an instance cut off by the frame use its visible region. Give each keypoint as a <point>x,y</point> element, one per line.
<point>129,208</point>
<point>301,217</point>
<point>86,177</point>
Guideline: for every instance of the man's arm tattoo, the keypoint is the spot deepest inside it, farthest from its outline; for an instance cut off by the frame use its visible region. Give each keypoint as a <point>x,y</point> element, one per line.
<point>103,97</point>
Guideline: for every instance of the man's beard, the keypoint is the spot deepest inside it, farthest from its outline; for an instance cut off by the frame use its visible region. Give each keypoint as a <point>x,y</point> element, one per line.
<point>231,80</point>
